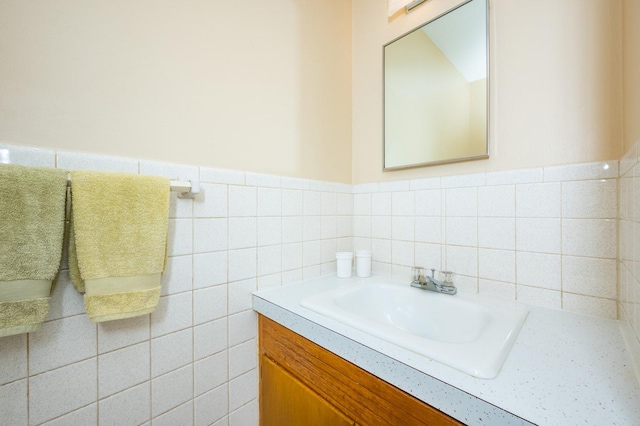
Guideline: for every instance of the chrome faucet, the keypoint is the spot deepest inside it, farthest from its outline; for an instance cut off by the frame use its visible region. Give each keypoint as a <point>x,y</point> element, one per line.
<point>425,282</point>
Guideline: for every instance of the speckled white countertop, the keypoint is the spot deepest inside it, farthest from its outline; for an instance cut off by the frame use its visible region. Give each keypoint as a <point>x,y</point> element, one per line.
<point>564,368</point>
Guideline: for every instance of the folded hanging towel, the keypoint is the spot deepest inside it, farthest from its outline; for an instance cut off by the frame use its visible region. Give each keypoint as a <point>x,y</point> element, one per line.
<point>32,219</point>
<point>118,241</point>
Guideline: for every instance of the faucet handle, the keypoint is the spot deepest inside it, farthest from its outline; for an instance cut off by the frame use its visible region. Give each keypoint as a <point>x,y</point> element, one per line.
<point>433,273</point>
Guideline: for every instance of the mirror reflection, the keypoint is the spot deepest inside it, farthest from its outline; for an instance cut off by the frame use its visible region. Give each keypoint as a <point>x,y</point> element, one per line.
<point>435,91</point>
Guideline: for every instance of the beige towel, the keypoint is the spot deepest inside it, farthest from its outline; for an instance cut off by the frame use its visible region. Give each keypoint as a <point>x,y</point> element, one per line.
<point>117,247</point>
<point>32,219</point>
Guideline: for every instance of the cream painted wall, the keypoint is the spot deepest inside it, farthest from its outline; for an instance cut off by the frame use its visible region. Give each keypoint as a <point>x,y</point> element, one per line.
<point>631,71</point>
<point>263,86</point>
<point>555,84</point>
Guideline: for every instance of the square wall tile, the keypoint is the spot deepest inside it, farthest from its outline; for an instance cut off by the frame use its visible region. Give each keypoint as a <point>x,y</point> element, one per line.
<point>209,304</point>
<point>497,265</point>
<point>292,229</point>
<point>269,260</point>
<point>171,352</point>
<point>311,228</point>
<point>247,415</point>
<point>239,298</point>
<point>259,179</point>
<point>501,290</point>
<point>173,313</point>
<point>311,253</point>
<point>243,201</point>
<point>539,270</point>
<point>212,406</point>
<point>594,306</point>
<point>243,389</point>
<point>209,235</point>
<point>497,201</point>
<point>101,163</point>
<point>231,177</point>
<point>497,233</point>
<point>242,232</point>
<point>128,407</point>
<point>292,202</point>
<point>428,202</point>
<point>211,202</point>
<point>81,384</point>
<point>182,414</point>
<point>180,237</point>
<point>291,256</point>
<point>312,203</point>
<point>114,335</point>
<point>269,202</point>
<point>270,230</point>
<point>14,403</point>
<point>428,229</point>
<point>539,297</point>
<point>211,372</point>
<point>243,326</point>
<point>329,204</point>
<point>178,275</point>
<point>209,269</point>
<point>538,235</point>
<point>329,227</point>
<point>538,200</point>
<point>62,342</point>
<point>13,353</point>
<point>87,415</point>
<point>27,156</point>
<point>595,199</point>
<point>425,183</point>
<point>589,276</point>
<point>381,204</point>
<point>380,227</point>
<point>402,253</point>
<point>461,202</point>
<point>461,231</point>
<point>589,237</point>
<point>462,260</point>
<point>122,369</point>
<point>242,264</point>
<point>171,390</point>
<point>403,203</point>
<point>243,358</point>
<point>169,170</point>
<point>403,228</point>
<point>362,226</point>
<point>381,250</point>
<point>507,177</point>
<point>210,338</point>
<point>429,256</point>
<point>362,204</point>
<point>344,204</point>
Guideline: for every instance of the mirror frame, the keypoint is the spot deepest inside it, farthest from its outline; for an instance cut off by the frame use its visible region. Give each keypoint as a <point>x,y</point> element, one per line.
<point>452,160</point>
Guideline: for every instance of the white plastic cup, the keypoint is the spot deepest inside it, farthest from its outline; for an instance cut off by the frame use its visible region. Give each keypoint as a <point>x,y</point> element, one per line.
<point>363,263</point>
<point>344,259</point>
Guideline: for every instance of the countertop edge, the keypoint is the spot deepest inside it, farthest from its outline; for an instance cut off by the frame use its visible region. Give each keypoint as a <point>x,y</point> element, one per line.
<point>455,402</point>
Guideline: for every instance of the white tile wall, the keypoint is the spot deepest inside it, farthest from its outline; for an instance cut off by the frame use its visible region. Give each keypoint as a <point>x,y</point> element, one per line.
<point>628,265</point>
<point>544,236</point>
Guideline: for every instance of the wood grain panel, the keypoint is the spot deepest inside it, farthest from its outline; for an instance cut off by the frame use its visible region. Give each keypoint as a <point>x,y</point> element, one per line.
<point>362,396</point>
<point>284,400</point>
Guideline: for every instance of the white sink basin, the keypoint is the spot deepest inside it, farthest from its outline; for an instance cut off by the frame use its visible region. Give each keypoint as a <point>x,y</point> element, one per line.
<point>465,332</point>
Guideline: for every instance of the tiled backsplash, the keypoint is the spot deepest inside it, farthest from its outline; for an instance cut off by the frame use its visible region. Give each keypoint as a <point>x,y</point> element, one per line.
<point>544,236</point>
<point>194,359</point>
<point>629,252</point>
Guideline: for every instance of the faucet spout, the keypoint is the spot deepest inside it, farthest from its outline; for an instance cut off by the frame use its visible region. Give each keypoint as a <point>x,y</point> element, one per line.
<point>430,283</point>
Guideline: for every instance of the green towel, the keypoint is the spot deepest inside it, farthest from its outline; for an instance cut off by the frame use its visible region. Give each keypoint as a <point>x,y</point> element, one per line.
<point>32,215</point>
<point>117,246</point>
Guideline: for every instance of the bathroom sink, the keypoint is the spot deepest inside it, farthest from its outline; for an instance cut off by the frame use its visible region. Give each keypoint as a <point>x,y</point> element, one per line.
<point>466,332</point>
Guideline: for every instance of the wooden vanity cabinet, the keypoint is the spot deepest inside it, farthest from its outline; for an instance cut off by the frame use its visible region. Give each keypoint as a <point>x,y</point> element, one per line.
<point>303,384</point>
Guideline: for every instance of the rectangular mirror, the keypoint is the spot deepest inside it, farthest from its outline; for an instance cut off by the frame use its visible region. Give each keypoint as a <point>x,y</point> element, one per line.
<point>435,90</point>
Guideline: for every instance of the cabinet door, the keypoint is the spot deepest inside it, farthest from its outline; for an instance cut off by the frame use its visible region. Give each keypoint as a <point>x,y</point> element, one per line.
<point>285,401</point>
